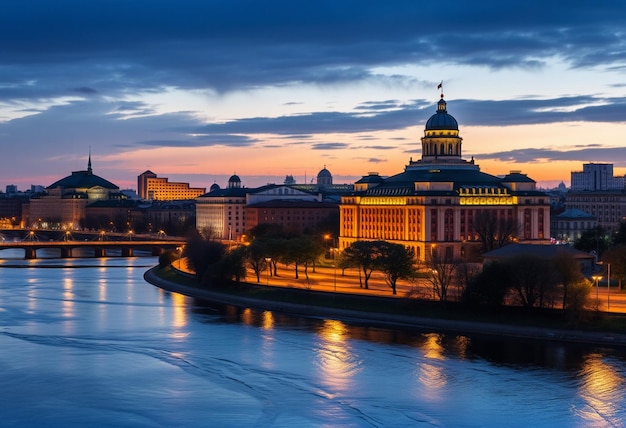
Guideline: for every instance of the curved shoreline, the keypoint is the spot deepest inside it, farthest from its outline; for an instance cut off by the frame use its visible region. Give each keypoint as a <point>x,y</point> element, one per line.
<point>391,320</point>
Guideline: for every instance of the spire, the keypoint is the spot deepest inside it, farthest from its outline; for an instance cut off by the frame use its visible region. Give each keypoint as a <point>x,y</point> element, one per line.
<point>89,162</point>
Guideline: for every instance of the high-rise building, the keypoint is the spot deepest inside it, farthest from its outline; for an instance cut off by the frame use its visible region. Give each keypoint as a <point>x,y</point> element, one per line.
<point>431,206</point>
<point>596,177</point>
<point>151,187</point>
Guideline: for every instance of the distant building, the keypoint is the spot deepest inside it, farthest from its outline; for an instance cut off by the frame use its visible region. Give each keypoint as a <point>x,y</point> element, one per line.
<point>324,178</point>
<point>151,187</point>
<point>569,225</point>
<point>221,212</point>
<point>430,206</point>
<point>597,192</point>
<point>607,207</point>
<point>229,213</point>
<point>63,205</point>
<point>596,177</point>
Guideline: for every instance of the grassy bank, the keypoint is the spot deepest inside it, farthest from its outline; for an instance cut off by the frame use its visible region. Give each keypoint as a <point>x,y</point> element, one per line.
<point>409,307</point>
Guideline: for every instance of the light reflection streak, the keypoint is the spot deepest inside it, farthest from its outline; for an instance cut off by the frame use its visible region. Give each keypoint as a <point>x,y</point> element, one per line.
<point>68,297</point>
<point>179,311</point>
<point>336,362</point>
<point>267,326</point>
<point>602,389</point>
<point>432,376</point>
<point>68,305</point>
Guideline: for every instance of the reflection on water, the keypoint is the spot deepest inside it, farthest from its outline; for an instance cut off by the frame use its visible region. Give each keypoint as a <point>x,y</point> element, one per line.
<point>602,389</point>
<point>79,333</point>
<point>336,364</point>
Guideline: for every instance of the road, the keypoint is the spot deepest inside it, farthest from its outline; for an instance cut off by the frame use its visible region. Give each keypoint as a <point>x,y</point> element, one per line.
<point>329,279</point>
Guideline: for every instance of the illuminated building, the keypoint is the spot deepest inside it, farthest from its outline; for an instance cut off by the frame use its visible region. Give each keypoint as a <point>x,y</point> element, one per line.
<point>151,187</point>
<point>229,213</point>
<point>430,206</point>
<point>65,201</point>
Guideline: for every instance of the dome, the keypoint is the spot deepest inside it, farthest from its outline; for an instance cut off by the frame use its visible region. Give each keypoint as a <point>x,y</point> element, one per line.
<point>324,177</point>
<point>324,173</point>
<point>234,182</point>
<point>441,120</point>
<point>214,187</point>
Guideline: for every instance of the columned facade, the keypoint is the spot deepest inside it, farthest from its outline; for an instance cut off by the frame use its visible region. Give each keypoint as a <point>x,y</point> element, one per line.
<point>432,205</point>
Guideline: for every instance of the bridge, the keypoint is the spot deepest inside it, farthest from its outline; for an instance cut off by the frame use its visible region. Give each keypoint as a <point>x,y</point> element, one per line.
<point>99,248</point>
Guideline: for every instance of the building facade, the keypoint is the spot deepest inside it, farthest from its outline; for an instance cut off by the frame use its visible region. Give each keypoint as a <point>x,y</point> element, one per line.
<point>151,187</point>
<point>569,225</point>
<point>229,213</point>
<point>607,207</point>
<point>64,203</point>
<point>596,177</point>
<point>431,205</point>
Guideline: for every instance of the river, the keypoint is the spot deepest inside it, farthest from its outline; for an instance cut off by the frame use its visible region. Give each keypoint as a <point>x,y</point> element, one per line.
<point>87,342</point>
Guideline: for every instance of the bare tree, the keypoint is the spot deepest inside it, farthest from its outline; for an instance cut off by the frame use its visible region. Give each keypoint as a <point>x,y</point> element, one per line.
<point>441,273</point>
<point>493,232</point>
<point>568,273</point>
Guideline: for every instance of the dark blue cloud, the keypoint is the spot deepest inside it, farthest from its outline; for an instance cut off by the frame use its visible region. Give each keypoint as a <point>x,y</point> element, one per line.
<point>114,46</point>
<point>592,153</point>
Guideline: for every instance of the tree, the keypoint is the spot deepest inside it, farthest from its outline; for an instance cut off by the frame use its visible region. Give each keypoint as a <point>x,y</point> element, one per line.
<point>395,262</point>
<point>616,256</point>
<point>465,275</point>
<point>201,254</point>
<point>577,301</point>
<point>231,267</point>
<point>493,232</point>
<point>362,255</point>
<point>533,278</point>
<point>441,272</point>
<point>490,286</point>
<point>594,240</point>
<point>256,254</point>
<point>620,236</point>
<point>303,250</point>
<point>567,271</point>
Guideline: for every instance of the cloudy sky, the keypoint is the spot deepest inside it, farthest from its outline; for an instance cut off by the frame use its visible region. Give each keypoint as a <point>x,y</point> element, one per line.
<point>196,90</point>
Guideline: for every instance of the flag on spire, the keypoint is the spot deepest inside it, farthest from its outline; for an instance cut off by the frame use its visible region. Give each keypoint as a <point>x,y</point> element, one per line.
<point>439,86</point>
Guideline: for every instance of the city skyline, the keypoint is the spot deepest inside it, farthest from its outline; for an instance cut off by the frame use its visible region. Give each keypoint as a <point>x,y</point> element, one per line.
<point>198,91</point>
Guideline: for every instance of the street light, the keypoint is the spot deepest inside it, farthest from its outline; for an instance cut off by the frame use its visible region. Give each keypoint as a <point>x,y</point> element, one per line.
<point>608,283</point>
<point>180,255</point>
<point>597,279</point>
<point>333,253</point>
<point>269,267</point>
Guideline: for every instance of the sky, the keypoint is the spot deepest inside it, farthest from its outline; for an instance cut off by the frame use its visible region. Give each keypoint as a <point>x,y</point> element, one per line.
<point>198,90</point>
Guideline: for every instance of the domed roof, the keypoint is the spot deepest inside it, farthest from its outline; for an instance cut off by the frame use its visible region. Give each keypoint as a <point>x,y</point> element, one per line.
<point>214,186</point>
<point>234,179</point>
<point>441,119</point>
<point>324,173</point>
<point>81,180</point>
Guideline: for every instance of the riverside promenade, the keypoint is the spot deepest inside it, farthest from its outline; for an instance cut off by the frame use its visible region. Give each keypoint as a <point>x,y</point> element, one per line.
<point>599,338</point>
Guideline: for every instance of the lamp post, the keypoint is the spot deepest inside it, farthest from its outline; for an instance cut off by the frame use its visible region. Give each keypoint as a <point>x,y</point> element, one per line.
<point>333,253</point>
<point>608,283</point>
<point>180,255</point>
<point>596,279</point>
<point>268,260</point>
<point>608,286</point>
